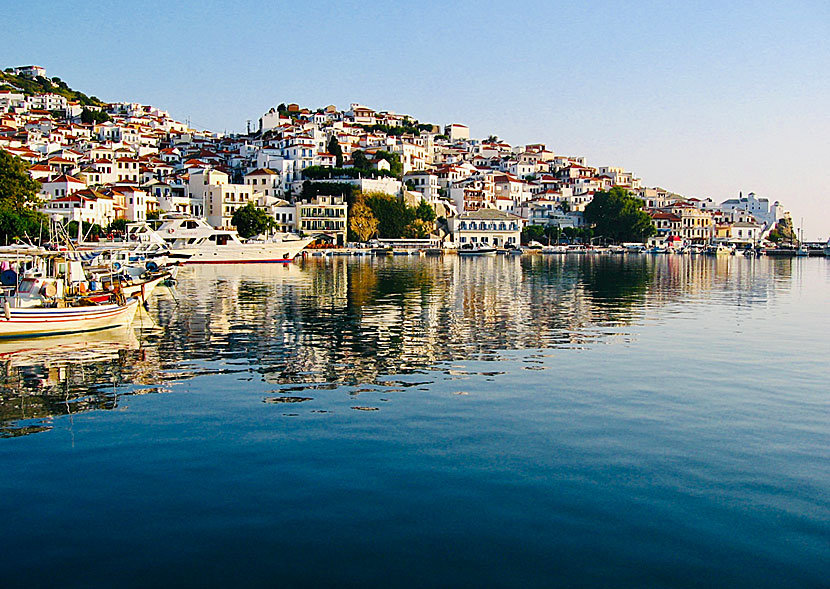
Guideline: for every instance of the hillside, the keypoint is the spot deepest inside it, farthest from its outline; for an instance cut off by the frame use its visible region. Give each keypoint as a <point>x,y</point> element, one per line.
<point>40,85</point>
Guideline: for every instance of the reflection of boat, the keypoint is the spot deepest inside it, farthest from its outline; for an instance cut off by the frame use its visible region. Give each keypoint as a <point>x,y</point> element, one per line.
<point>46,321</point>
<point>79,348</point>
<point>209,245</point>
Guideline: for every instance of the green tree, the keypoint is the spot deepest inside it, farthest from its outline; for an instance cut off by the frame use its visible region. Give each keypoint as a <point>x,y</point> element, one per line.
<point>362,222</point>
<point>425,212</point>
<point>18,199</point>
<point>394,159</point>
<point>250,221</point>
<point>117,225</point>
<point>783,231</point>
<point>618,216</point>
<point>391,212</point>
<point>533,233</point>
<point>88,231</point>
<point>335,149</point>
<point>360,161</point>
<point>21,224</point>
<point>17,188</point>
<point>89,117</point>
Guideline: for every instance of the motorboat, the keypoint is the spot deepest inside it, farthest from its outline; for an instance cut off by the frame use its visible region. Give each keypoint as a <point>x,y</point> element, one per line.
<point>717,249</point>
<point>205,244</point>
<point>476,250</point>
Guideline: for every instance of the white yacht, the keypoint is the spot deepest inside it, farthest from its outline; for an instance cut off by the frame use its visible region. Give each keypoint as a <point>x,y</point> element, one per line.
<point>204,244</point>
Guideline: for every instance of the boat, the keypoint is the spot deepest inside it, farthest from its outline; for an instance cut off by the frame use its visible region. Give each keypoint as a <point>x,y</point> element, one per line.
<point>47,293</point>
<point>555,249</point>
<point>47,321</point>
<point>717,249</point>
<point>204,244</point>
<point>476,250</point>
<point>802,251</point>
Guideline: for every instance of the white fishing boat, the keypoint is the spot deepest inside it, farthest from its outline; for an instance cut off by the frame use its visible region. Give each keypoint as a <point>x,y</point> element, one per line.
<point>205,244</point>
<point>47,293</point>
<point>46,321</point>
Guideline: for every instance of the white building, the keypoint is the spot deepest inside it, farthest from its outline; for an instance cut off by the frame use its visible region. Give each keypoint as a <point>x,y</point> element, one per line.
<point>457,132</point>
<point>61,186</point>
<point>760,208</point>
<point>325,215</point>
<point>46,102</point>
<point>488,227</point>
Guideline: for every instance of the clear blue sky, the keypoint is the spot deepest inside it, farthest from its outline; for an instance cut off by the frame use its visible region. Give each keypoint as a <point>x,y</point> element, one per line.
<point>703,98</point>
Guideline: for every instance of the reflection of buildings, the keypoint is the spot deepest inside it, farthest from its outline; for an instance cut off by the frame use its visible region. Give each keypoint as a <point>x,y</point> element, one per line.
<point>341,320</point>
<point>338,320</point>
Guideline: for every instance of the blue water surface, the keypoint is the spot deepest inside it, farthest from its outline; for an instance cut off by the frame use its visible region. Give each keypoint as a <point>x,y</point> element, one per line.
<point>550,420</point>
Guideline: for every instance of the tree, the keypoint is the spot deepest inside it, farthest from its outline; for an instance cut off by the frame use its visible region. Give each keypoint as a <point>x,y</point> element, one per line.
<point>425,212</point>
<point>532,233</point>
<point>360,161</point>
<point>335,149</point>
<point>87,231</point>
<point>394,159</point>
<point>391,212</point>
<point>17,188</point>
<point>117,225</point>
<point>783,231</point>
<point>21,224</point>
<point>362,223</point>
<point>18,199</point>
<point>618,216</point>
<point>89,116</point>
<point>250,221</point>
<point>418,229</point>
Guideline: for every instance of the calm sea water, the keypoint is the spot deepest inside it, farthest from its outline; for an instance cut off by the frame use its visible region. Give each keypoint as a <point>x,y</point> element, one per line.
<point>549,420</point>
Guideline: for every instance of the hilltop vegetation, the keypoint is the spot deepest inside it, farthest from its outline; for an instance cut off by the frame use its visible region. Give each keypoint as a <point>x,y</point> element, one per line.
<point>41,85</point>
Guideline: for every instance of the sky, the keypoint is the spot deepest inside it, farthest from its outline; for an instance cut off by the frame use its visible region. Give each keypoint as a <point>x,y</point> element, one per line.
<point>707,99</point>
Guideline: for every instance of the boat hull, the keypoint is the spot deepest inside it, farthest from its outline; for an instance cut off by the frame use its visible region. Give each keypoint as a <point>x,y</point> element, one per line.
<point>39,322</point>
<point>247,254</point>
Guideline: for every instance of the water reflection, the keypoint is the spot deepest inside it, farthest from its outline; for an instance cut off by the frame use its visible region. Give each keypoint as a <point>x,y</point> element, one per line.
<point>44,378</point>
<point>340,323</point>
